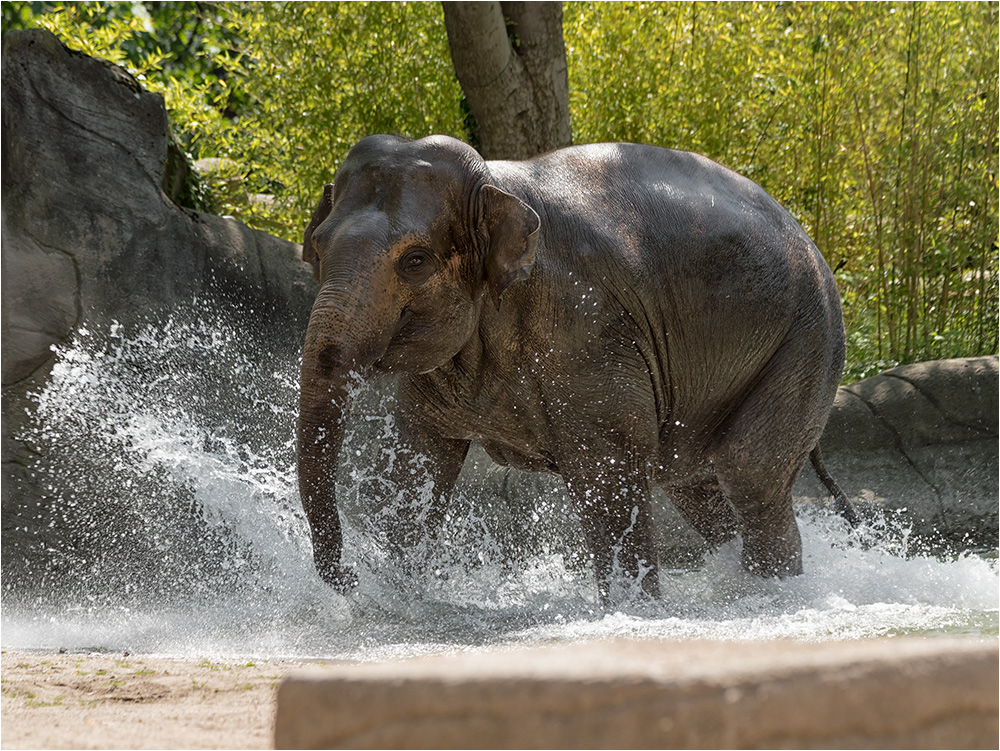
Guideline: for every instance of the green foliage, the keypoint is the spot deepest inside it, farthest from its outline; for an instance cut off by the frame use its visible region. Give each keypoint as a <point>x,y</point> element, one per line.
<point>184,34</point>
<point>875,124</point>
<point>92,29</point>
<point>317,78</point>
<point>18,15</point>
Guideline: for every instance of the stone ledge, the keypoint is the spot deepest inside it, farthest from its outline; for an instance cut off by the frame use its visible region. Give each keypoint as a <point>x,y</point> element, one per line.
<point>887,693</point>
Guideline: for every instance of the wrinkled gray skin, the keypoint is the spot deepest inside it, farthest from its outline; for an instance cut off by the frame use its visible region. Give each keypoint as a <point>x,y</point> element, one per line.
<point>625,316</point>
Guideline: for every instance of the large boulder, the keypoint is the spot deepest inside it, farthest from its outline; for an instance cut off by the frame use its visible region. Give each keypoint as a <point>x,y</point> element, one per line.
<point>921,440</point>
<point>92,240</point>
<point>89,235</point>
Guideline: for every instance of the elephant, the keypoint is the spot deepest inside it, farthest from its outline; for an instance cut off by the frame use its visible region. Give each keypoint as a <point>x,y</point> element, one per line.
<point>626,316</point>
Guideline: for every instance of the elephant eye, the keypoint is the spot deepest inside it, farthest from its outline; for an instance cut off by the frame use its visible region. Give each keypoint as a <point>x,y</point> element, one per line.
<point>416,265</point>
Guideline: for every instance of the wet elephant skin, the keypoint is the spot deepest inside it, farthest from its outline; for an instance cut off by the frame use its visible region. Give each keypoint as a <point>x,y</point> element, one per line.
<point>625,316</point>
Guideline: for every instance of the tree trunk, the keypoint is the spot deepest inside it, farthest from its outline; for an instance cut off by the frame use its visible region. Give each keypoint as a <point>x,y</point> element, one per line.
<point>511,62</point>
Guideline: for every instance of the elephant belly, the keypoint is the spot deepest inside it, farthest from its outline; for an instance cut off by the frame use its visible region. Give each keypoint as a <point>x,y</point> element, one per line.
<point>509,456</point>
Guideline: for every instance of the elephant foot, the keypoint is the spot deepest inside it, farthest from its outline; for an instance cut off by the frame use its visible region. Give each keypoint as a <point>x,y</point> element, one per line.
<point>774,558</point>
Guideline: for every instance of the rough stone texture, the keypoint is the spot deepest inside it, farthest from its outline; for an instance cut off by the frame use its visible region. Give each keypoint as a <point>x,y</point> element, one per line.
<point>921,439</point>
<point>899,693</point>
<point>90,234</point>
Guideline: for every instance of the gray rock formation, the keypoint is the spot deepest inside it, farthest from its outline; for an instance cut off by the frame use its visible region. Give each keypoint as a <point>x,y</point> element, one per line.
<point>91,237</point>
<point>921,440</point>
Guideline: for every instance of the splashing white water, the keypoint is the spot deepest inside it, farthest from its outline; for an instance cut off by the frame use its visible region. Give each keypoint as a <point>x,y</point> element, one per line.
<point>169,524</point>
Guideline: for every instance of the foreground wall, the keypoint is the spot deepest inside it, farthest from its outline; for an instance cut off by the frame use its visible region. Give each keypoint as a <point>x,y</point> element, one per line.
<point>890,693</point>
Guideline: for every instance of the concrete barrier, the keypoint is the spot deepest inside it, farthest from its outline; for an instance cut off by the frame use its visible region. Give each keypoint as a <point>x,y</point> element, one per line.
<point>886,693</point>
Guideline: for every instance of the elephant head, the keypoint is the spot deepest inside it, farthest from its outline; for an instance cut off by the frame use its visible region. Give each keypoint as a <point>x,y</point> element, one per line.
<point>406,246</point>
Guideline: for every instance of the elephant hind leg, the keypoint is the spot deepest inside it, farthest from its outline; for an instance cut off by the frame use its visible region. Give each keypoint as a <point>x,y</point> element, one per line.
<point>757,480</point>
<point>707,510</point>
<point>772,545</point>
<point>765,442</point>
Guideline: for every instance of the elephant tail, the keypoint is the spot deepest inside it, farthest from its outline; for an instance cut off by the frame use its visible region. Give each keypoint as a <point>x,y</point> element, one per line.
<point>840,500</point>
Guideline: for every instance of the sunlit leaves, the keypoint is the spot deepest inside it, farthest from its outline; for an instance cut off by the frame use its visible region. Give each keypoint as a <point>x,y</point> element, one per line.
<point>321,76</point>
<point>875,124</point>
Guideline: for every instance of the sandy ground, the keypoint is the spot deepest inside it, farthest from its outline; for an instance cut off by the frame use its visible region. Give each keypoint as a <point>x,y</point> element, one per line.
<point>121,701</point>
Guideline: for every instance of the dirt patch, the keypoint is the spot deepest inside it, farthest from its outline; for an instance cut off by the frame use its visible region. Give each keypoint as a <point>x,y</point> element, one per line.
<point>119,701</point>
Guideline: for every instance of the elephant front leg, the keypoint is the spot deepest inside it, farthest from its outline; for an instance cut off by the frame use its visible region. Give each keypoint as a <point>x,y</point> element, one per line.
<point>419,482</point>
<point>616,515</point>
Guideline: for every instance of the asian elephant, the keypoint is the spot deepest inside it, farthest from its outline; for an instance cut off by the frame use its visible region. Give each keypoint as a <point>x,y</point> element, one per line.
<point>625,316</point>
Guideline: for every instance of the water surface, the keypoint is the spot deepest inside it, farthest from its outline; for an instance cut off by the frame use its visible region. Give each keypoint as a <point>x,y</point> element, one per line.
<point>170,525</point>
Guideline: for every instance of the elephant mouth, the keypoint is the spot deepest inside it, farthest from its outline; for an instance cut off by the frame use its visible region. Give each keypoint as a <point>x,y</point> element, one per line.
<point>403,334</point>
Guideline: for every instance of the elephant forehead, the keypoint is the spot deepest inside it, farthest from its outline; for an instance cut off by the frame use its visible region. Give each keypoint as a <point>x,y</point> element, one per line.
<point>372,230</point>
<point>387,180</point>
<point>416,191</point>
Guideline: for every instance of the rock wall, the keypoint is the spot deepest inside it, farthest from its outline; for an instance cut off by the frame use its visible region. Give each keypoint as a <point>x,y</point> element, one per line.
<point>90,235</point>
<point>921,440</point>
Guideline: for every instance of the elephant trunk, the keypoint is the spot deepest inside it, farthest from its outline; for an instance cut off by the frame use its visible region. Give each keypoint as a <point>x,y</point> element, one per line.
<point>332,357</point>
<point>323,405</point>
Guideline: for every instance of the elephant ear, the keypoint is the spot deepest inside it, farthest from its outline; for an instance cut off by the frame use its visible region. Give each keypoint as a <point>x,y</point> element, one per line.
<point>511,227</point>
<point>309,254</point>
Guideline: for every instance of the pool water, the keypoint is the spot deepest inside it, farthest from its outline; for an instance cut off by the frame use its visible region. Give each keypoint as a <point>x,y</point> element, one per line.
<point>170,524</point>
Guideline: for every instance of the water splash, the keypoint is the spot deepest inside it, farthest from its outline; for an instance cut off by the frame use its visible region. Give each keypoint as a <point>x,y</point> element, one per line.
<point>168,523</point>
